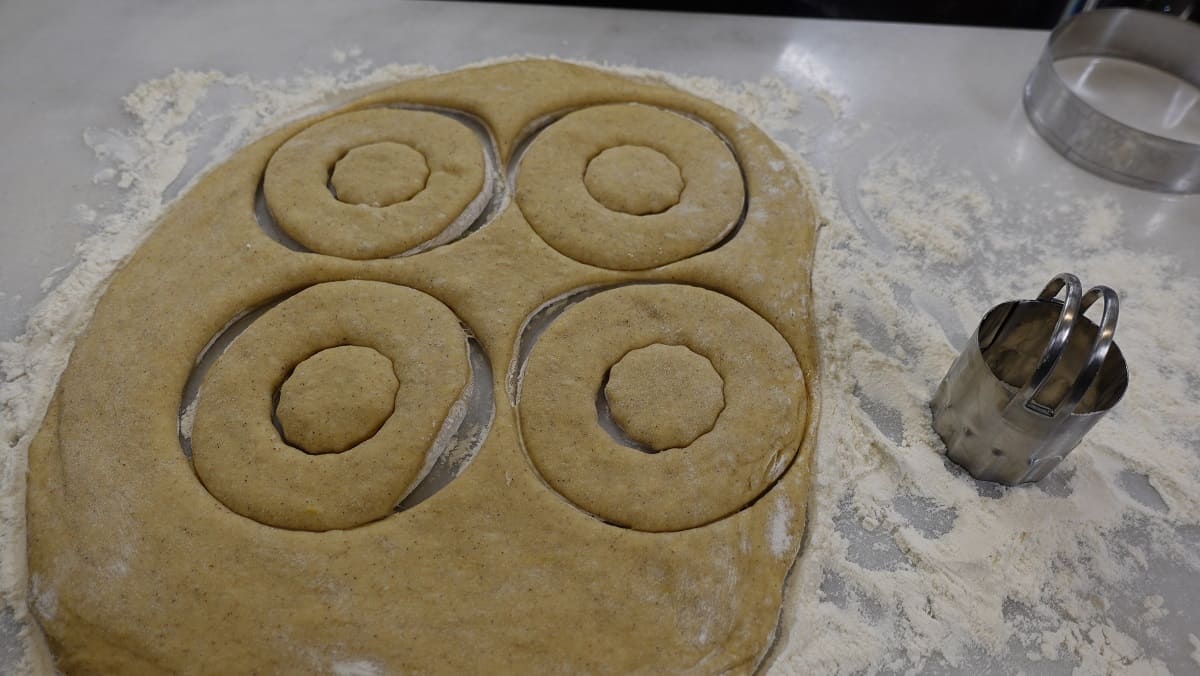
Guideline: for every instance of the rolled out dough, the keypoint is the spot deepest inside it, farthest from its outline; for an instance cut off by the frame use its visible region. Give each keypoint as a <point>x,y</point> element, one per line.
<point>555,548</point>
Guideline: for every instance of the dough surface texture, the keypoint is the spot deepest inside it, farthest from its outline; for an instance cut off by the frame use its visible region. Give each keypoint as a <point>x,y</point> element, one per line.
<point>336,399</point>
<point>752,441</point>
<point>619,229</point>
<point>458,408</point>
<point>374,214</point>
<point>634,180</point>
<point>379,175</point>
<point>664,396</point>
<point>246,463</point>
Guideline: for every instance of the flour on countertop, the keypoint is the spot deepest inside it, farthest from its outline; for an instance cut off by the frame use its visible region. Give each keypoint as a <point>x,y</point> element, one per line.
<point>909,565</point>
<point>913,567</point>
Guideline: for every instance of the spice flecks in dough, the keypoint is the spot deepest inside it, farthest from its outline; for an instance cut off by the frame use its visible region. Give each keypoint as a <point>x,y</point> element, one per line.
<point>634,180</point>
<point>664,396</point>
<point>552,187</point>
<point>380,174</point>
<point>336,398</point>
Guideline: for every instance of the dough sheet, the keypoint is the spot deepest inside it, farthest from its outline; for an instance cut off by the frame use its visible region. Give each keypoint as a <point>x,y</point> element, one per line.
<point>624,290</point>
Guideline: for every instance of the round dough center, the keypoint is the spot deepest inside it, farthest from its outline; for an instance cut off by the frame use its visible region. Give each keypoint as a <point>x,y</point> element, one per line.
<point>380,174</point>
<point>664,396</point>
<point>634,180</point>
<point>336,399</point>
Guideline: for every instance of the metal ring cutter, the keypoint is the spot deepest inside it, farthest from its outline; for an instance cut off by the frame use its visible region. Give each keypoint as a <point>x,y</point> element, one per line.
<point>1032,380</point>
<point>1095,141</point>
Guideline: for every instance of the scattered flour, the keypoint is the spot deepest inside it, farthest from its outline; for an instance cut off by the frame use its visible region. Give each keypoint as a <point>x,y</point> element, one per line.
<point>909,565</point>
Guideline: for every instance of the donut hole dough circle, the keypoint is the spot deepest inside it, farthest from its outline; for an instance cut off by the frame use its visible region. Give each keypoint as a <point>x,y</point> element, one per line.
<point>336,399</point>
<point>755,437</point>
<point>379,174</point>
<point>241,458</point>
<point>297,179</point>
<point>634,180</point>
<point>552,188</point>
<point>664,396</point>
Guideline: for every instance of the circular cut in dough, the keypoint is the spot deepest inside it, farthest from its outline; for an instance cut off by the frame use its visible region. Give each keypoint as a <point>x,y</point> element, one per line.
<point>753,440</point>
<point>603,229</point>
<point>664,396</point>
<point>241,458</point>
<point>298,191</point>
<point>336,399</point>
<point>634,180</point>
<point>379,175</point>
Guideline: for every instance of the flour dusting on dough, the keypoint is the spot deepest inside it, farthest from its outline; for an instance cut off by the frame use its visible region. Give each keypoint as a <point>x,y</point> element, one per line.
<point>43,598</point>
<point>779,527</point>
<point>357,668</point>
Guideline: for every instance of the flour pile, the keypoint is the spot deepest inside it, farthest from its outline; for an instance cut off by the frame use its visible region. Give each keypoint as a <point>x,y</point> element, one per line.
<point>909,565</point>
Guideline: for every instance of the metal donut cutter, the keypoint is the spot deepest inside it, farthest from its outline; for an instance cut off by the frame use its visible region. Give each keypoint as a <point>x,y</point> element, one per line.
<point>1032,380</point>
<point>1095,141</point>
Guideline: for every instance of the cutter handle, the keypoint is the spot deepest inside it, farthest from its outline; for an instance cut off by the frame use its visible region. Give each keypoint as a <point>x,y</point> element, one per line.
<point>1104,339</point>
<point>1058,340</point>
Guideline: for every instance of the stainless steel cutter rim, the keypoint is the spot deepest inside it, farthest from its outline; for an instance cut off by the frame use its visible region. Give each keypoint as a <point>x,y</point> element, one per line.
<point>1096,141</point>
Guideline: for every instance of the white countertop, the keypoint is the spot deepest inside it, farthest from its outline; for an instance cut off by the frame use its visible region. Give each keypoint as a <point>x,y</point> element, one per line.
<point>65,65</point>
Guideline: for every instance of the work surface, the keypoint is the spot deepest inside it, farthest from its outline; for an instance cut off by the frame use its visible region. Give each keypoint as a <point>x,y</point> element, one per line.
<point>948,95</point>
